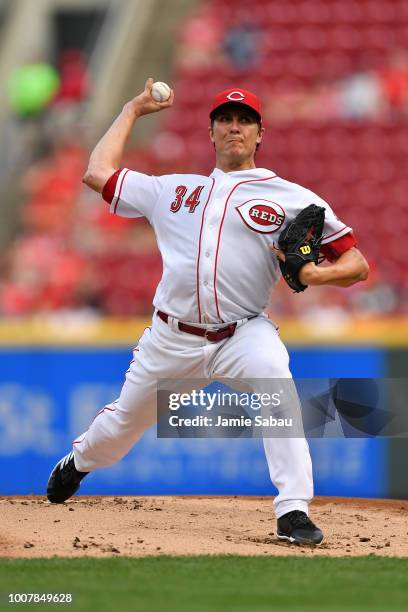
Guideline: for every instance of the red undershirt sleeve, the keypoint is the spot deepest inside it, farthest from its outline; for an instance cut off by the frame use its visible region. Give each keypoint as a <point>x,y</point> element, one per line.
<point>333,250</point>
<point>108,192</point>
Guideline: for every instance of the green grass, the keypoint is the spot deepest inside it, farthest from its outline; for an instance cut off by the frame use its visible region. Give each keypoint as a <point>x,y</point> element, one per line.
<point>212,583</point>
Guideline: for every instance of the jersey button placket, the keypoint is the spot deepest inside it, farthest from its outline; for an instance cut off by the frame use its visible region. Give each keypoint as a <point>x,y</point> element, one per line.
<point>209,246</point>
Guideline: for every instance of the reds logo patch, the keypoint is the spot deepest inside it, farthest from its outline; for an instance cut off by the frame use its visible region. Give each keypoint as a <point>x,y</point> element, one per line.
<point>235,96</point>
<point>262,216</point>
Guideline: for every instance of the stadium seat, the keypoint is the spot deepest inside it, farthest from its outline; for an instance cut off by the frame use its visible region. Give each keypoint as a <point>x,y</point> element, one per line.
<point>308,50</point>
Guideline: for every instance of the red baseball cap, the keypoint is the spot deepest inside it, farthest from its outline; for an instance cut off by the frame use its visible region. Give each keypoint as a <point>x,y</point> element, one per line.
<point>238,96</point>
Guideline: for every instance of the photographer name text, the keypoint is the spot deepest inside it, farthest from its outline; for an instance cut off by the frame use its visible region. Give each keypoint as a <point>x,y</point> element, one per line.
<point>222,421</point>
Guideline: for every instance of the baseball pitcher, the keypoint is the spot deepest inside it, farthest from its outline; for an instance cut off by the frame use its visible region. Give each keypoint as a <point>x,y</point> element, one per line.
<point>225,240</point>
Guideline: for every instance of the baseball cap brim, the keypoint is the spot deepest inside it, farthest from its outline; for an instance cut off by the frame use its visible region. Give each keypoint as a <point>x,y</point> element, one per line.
<point>226,104</point>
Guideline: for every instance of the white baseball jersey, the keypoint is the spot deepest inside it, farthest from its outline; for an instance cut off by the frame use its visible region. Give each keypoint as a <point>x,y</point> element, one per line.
<point>215,236</point>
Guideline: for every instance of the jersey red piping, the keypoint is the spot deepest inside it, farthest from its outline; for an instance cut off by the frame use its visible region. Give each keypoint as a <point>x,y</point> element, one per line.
<point>199,250</point>
<point>219,233</point>
<point>334,234</point>
<point>120,191</point>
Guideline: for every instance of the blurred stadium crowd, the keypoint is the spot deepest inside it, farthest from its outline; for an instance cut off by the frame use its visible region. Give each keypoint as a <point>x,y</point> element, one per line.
<point>333,77</point>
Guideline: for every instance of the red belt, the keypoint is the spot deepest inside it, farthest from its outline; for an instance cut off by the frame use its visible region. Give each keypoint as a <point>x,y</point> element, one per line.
<point>213,335</point>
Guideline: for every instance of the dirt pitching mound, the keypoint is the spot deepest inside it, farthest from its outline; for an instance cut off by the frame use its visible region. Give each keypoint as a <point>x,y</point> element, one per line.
<point>139,526</point>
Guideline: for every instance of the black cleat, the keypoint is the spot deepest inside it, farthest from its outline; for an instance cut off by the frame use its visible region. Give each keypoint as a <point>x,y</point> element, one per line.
<point>64,480</point>
<point>297,527</point>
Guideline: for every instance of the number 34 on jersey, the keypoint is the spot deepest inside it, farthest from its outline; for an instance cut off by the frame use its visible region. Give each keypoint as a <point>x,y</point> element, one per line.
<point>192,201</point>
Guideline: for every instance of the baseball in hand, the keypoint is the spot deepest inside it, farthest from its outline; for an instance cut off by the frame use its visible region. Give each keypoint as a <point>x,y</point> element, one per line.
<point>160,92</point>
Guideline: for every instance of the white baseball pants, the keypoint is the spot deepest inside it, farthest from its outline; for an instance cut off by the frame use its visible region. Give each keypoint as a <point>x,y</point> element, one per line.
<point>254,351</point>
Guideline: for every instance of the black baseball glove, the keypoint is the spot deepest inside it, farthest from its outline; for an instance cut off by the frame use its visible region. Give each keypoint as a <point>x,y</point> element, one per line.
<point>300,242</point>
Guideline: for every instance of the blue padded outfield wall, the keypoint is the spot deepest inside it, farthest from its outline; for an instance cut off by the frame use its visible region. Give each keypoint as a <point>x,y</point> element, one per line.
<point>49,395</point>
